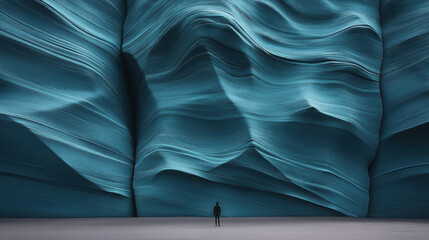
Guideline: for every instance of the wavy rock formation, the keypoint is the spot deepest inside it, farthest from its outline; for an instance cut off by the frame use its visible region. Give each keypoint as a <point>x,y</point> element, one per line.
<point>271,108</point>
<point>162,108</point>
<point>65,143</point>
<point>400,173</point>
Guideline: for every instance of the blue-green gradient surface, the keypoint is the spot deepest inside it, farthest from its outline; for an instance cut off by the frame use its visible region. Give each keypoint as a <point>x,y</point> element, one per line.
<point>271,108</point>
<point>65,145</point>
<point>161,108</point>
<point>400,173</point>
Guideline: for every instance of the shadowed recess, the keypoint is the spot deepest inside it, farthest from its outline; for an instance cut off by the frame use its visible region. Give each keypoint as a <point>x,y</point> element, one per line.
<point>36,182</point>
<point>400,172</point>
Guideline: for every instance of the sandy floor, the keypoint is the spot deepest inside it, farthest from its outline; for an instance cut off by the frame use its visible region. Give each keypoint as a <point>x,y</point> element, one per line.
<point>203,228</point>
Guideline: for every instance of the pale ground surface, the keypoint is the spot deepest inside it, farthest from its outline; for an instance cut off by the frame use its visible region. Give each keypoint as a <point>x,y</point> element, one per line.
<point>203,228</point>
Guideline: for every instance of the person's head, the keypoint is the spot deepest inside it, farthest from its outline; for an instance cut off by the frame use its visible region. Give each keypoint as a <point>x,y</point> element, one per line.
<point>217,204</point>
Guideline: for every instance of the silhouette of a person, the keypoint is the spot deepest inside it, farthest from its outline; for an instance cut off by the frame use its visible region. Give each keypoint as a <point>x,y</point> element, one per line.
<point>216,214</point>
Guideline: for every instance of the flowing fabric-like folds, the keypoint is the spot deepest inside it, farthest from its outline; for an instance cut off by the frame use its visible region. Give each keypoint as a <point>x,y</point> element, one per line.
<point>65,145</point>
<point>400,173</point>
<point>269,107</point>
<point>162,108</point>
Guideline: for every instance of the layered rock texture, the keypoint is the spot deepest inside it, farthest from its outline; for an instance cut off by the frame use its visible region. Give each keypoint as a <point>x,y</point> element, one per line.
<point>161,108</point>
<point>254,105</point>
<point>400,173</point>
<point>65,143</point>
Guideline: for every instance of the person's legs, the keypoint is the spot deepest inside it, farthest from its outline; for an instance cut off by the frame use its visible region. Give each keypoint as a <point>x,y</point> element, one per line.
<point>218,221</point>
<point>215,221</point>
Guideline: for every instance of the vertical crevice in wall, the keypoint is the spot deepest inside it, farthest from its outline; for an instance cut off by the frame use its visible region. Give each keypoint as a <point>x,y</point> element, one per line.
<point>381,99</point>
<point>132,109</point>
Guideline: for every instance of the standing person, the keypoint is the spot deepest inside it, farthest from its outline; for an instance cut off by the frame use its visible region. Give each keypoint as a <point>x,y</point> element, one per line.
<point>216,214</point>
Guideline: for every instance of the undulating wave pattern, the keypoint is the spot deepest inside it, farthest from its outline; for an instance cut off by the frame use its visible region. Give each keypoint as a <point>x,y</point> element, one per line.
<point>65,143</point>
<point>400,173</point>
<point>269,107</point>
